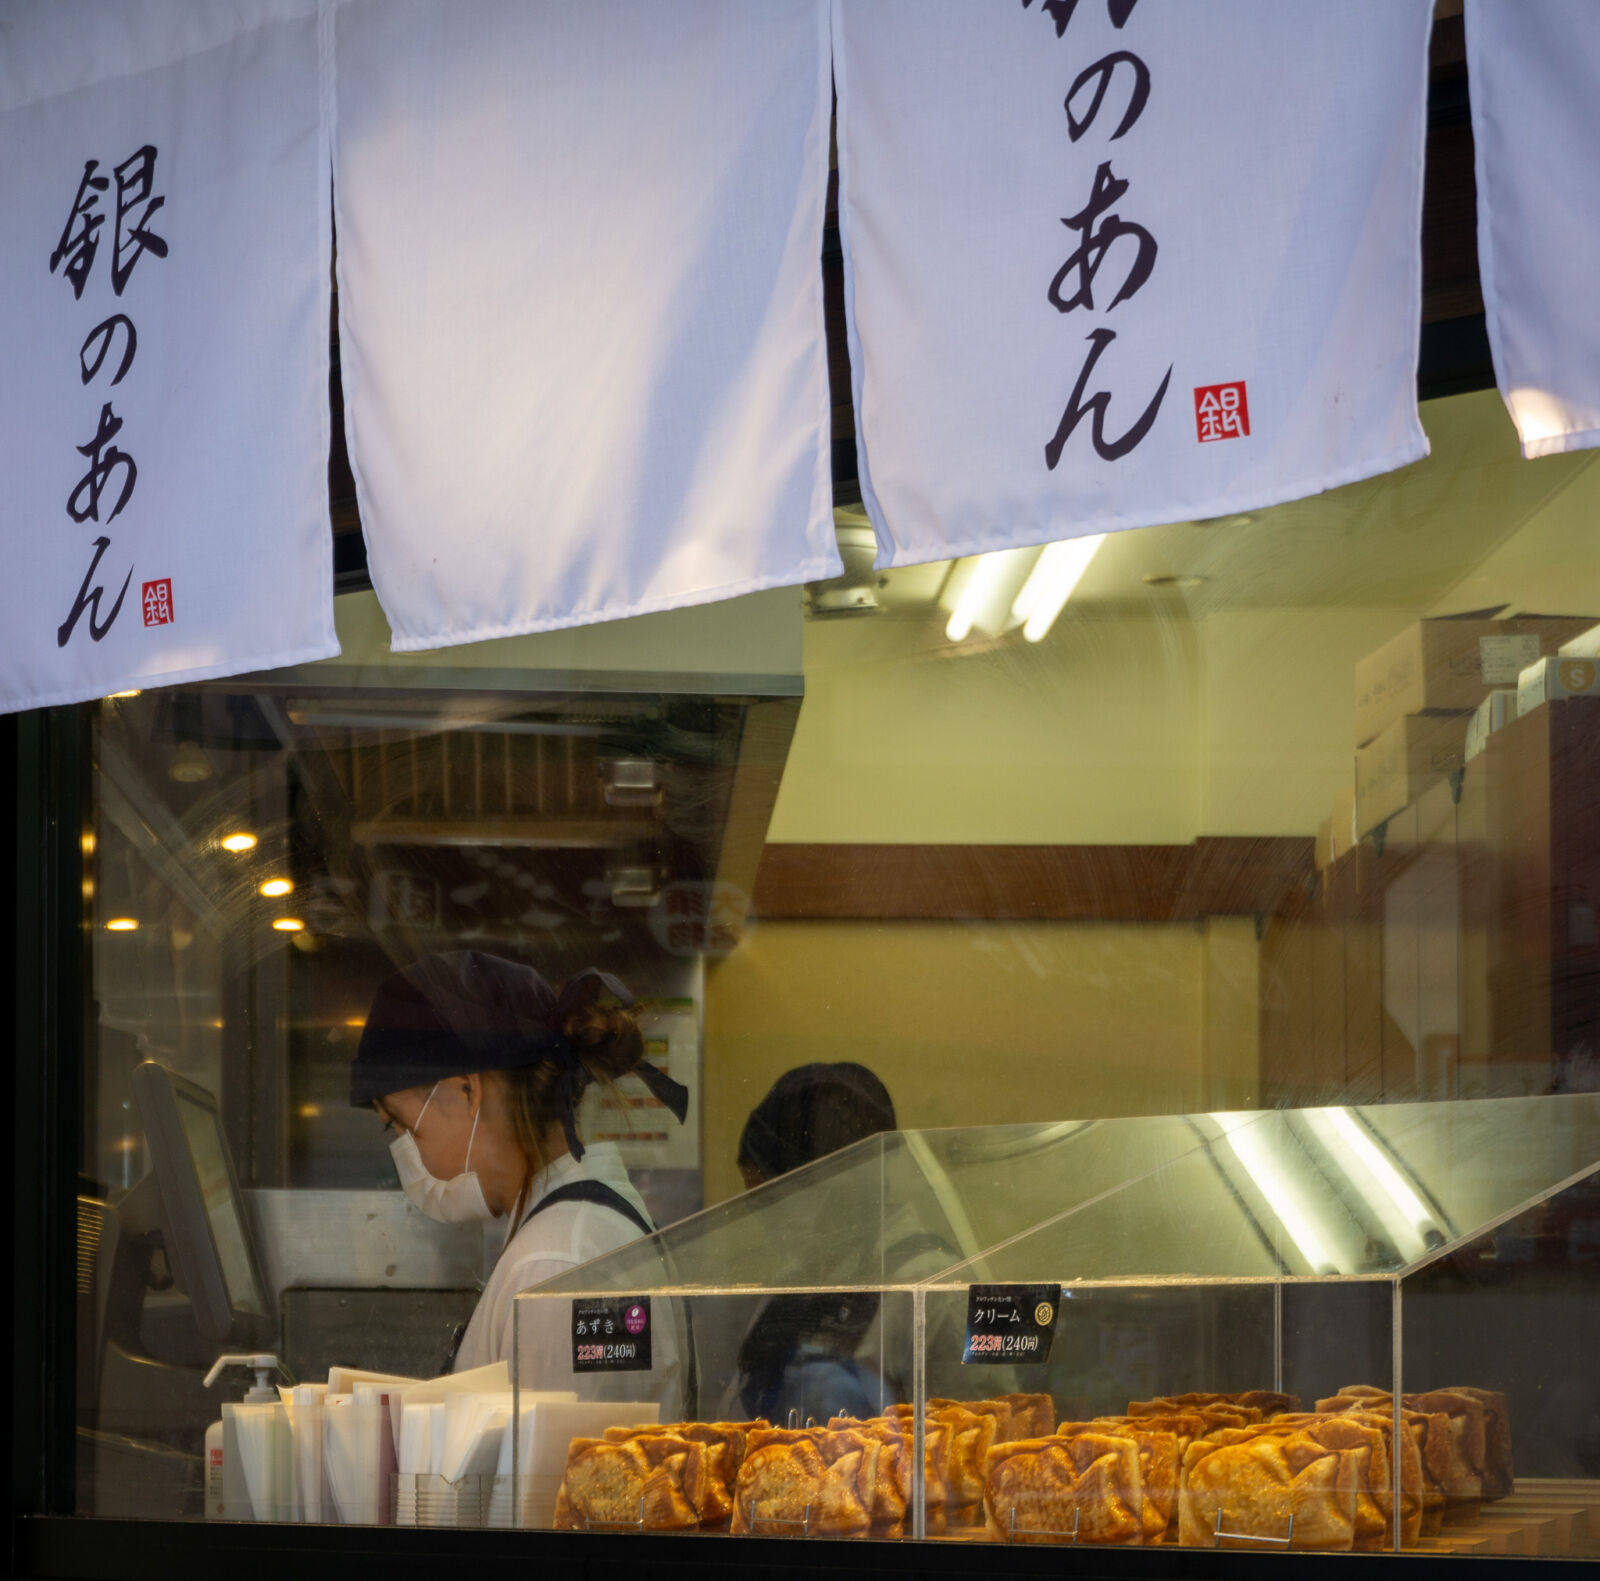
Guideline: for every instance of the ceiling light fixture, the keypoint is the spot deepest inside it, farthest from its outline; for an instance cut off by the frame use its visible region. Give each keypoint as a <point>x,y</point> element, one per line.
<point>1050,584</point>
<point>986,584</point>
<point>122,925</point>
<point>1172,579</point>
<point>190,766</point>
<point>1296,1213</point>
<point>287,924</point>
<point>273,887</point>
<point>239,842</point>
<point>1408,1205</point>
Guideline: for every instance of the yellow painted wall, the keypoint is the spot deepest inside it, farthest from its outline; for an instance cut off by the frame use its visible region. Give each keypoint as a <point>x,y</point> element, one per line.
<point>1134,730</point>
<point>1278,737</point>
<point>1551,564</point>
<point>1137,729</point>
<point>1132,723</point>
<point>974,1024</point>
<point>1085,739</point>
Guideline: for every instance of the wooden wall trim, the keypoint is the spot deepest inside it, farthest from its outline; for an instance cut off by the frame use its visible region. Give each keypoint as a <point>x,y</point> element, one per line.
<point>1215,876</point>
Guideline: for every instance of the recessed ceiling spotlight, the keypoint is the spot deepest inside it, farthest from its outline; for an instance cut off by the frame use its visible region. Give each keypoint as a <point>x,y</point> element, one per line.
<point>189,766</point>
<point>238,842</point>
<point>123,925</point>
<point>288,924</point>
<point>273,887</point>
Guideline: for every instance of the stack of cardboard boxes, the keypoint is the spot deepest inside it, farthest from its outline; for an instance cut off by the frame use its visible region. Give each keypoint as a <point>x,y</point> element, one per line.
<point>1573,672</point>
<point>1430,698</point>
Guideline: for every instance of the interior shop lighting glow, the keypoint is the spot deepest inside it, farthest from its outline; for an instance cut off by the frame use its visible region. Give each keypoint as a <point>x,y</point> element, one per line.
<point>1244,1134</point>
<point>238,842</point>
<point>1050,583</point>
<point>273,887</point>
<point>122,925</point>
<point>986,576</point>
<point>1413,1211</point>
<point>189,766</point>
<point>287,924</point>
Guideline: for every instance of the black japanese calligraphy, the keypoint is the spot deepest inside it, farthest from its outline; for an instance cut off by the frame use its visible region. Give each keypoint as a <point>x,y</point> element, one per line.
<point>89,599</point>
<point>1100,232</point>
<point>1101,73</point>
<point>1100,229</point>
<point>103,333</point>
<point>112,473</point>
<point>1060,12</point>
<point>104,459</point>
<point>135,180</point>
<point>1097,404</point>
<point>80,235</point>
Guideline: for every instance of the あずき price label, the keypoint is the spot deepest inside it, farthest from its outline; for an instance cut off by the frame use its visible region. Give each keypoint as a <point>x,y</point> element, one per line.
<point>1010,1323</point>
<point>611,1334</point>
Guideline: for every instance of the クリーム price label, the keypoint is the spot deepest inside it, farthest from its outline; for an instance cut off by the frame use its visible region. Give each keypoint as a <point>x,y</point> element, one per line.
<point>1010,1323</point>
<point>611,1334</point>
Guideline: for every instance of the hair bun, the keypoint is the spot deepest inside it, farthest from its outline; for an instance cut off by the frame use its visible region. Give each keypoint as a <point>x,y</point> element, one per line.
<point>607,1039</point>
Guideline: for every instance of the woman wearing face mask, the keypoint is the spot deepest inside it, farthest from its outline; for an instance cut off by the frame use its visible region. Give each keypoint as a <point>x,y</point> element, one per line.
<point>477,1065</point>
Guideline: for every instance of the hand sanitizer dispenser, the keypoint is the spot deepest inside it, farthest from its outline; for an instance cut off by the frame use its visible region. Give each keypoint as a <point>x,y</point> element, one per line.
<point>257,1453</point>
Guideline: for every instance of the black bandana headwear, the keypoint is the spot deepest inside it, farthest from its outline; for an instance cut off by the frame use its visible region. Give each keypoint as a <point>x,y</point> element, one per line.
<point>462,1012</point>
<point>811,1111</point>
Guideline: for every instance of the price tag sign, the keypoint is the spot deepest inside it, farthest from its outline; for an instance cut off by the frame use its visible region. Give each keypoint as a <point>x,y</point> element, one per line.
<point>611,1334</point>
<point>1010,1323</point>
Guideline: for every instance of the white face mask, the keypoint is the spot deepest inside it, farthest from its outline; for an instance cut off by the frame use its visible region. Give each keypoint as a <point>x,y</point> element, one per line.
<point>459,1200</point>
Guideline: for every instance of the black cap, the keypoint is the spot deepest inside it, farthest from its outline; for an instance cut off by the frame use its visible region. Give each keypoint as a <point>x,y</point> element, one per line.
<point>456,1013</point>
<point>811,1111</point>
<point>461,1012</point>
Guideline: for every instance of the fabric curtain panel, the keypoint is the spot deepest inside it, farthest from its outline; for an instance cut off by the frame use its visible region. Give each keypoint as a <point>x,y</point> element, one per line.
<point>580,305</point>
<point>163,342</point>
<point>1535,74</point>
<point>1113,263</point>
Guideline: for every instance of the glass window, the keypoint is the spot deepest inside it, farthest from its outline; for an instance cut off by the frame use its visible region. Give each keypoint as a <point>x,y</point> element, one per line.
<point>1279,812</point>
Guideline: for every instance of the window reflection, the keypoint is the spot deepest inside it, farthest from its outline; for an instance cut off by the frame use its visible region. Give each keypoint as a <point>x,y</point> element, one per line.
<point>1121,862</point>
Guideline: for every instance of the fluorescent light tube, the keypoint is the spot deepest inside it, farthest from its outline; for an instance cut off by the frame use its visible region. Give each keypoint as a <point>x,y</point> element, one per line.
<point>1245,1136</point>
<point>1411,1207</point>
<point>1050,585</point>
<point>986,577</point>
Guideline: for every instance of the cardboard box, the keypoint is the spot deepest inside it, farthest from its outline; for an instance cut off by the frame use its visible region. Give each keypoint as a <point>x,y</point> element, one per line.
<point>1550,680</point>
<point>1449,665</point>
<point>1585,647</point>
<point>1336,834</point>
<point>1493,712</point>
<point>1408,757</point>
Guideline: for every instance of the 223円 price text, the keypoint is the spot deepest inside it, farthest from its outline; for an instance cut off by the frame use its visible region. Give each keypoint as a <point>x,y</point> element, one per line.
<point>622,1350</point>
<point>1003,1347</point>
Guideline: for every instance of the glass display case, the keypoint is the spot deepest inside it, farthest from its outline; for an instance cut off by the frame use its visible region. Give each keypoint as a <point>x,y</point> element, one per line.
<point>1192,1330</point>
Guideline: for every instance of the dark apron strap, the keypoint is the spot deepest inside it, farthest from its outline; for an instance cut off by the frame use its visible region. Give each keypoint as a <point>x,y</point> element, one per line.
<point>601,1195</point>
<point>597,1192</point>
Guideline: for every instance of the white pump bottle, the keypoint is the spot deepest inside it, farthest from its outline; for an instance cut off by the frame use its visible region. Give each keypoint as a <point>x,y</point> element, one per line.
<point>247,1467</point>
